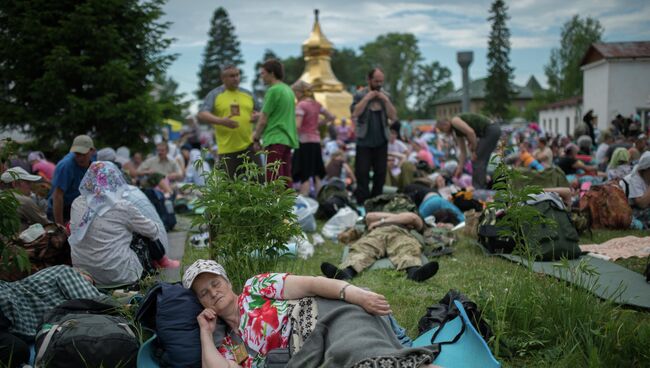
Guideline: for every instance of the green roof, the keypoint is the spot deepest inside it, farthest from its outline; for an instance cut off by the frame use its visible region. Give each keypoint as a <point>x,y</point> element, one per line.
<point>477,92</point>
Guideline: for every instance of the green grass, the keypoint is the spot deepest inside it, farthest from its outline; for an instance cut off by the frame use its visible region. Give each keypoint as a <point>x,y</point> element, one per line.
<point>539,321</point>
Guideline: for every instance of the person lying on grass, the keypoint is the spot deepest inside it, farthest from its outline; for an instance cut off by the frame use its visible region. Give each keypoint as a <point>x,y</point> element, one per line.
<point>322,322</point>
<point>388,236</point>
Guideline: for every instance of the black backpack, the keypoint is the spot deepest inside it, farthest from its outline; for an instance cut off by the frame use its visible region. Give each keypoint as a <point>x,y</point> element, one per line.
<point>331,198</point>
<point>80,333</point>
<point>166,212</point>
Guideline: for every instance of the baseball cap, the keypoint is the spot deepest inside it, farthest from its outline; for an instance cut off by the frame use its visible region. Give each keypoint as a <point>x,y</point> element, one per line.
<point>82,144</point>
<point>201,266</point>
<point>18,173</point>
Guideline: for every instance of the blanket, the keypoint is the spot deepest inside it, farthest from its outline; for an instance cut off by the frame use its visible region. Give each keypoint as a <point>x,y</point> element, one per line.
<point>625,247</point>
<point>346,335</point>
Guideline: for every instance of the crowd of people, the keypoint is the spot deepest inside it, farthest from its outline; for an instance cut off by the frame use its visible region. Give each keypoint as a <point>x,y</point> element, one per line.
<point>114,204</point>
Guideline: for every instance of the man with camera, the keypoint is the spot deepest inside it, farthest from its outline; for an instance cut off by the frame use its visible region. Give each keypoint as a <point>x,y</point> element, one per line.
<point>372,112</point>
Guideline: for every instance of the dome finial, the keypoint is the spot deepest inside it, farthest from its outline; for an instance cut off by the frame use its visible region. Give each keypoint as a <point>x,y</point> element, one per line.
<point>316,14</point>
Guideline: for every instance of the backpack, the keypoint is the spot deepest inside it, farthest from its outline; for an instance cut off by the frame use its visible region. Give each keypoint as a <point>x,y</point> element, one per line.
<point>78,333</point>
<point>488,233</point>
<point>552,241</point>
<point>170,311</point>
<point>49,249</point>
<point>393,203</point>
<point>331,198</point>
<point>608,207</point>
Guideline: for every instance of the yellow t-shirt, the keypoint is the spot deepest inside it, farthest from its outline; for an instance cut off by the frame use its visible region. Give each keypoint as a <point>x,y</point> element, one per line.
<point>222,103</point>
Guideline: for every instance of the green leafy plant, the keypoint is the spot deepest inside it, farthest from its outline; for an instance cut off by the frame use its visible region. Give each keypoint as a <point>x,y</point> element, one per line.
<point>250,219</point>
<point>12,257</point>
<point>518,216</point>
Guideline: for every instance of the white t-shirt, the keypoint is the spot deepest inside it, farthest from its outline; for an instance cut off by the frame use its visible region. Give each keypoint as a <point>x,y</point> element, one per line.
<point>636,185</point>
<point>397,147</point>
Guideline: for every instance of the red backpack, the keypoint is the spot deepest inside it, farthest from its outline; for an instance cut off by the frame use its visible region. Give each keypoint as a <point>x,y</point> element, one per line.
<point>608,207</point>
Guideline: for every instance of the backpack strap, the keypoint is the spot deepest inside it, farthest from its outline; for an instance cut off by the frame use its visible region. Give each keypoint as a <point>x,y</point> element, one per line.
<point>627,188</point>
<point>46,342</point>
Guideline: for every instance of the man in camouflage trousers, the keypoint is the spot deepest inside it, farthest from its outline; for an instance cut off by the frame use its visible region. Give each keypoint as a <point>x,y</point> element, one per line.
<point>388,236</point>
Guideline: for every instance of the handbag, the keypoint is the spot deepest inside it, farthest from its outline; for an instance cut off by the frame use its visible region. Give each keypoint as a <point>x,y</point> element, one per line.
<point>458,342</point>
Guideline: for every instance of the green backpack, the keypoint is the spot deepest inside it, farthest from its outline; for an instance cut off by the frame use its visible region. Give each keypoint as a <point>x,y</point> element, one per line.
<point>393,203</point>
<point>552,241</point>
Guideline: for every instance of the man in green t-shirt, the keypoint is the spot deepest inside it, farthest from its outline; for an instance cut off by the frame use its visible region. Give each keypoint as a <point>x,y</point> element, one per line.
<point>276,129</point>
<point>231,109</point>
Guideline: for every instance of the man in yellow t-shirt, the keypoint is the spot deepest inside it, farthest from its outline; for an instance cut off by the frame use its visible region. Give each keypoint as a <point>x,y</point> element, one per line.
<point>232,110</point>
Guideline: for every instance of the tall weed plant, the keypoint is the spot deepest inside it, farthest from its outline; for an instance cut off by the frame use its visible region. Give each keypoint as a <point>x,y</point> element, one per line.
<point>561,325</point>
<point>12,257</point>
<point>250,219</point>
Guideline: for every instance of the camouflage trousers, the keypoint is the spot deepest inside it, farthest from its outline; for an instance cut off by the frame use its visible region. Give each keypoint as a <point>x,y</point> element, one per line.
<point>391,241</point>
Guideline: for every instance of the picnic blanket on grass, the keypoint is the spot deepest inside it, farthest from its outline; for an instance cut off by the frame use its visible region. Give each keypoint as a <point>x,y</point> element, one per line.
<point>624,247</point>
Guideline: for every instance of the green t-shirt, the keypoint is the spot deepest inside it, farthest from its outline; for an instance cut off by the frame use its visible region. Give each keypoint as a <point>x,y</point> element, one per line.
<point>475,121</point>
<point>280,109</point>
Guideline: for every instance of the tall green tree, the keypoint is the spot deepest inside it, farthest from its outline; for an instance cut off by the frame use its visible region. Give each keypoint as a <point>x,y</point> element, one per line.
<point>71,67</point>
<point>563,72</point>
<point>349,67</point>
<point>222,48</point>
<point>170,101</point>
<point>498,84</point>
<point>258,84</point>
<point>398,55</point>
<point>293,68</point>
<point>432,81</point>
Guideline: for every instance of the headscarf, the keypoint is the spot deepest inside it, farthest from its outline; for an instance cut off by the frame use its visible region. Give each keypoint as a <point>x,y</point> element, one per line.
<point>123,155</point>
<point>619,157</point>
<point>102,186</point>
<point>106,154</point>
<point>643,164</point>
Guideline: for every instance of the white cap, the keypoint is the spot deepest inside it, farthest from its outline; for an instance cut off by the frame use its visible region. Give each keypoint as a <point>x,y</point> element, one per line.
<point>201,266</point>
<point>18,173</point>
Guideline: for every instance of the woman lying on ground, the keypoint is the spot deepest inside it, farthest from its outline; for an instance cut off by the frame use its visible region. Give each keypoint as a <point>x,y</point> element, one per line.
<point>110,237</point>
<point>323,322</point>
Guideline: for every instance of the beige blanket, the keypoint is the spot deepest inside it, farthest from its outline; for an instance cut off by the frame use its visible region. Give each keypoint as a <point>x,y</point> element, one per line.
<point>625,247</point>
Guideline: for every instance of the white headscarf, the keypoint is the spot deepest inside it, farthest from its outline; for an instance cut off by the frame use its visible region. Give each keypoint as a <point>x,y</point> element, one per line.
<point>103,186</point>
<point>123,155</point>
<point>644,162</point>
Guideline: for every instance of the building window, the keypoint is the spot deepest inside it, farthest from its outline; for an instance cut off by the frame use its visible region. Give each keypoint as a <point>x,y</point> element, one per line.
<point>557,126</point>
<point>568,126</point>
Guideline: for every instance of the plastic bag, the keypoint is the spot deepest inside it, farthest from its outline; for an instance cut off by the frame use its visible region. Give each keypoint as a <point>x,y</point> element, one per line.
<point>345,218</point>
<point>305,208</point>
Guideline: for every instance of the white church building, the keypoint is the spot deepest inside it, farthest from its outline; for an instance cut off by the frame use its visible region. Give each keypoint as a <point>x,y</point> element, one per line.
<point>617,81</point>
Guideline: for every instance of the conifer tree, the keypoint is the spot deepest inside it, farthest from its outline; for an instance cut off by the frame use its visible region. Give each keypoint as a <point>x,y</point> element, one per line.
<point>222,48</point>
<point>498,87</point>
<point>81,67</point>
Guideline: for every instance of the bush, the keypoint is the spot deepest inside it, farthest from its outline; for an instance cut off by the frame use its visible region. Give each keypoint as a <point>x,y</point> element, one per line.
<point>250,220</point>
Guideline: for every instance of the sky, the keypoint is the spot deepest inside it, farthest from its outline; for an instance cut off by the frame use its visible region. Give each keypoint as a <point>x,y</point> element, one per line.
<point>441,27</point>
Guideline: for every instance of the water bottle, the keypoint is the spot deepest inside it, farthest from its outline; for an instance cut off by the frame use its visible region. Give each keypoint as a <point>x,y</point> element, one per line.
<point>169,206</point>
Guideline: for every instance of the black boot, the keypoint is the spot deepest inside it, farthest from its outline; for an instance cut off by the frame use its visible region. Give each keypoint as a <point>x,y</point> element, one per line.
<point>333,272</point>
<point>423,272</point>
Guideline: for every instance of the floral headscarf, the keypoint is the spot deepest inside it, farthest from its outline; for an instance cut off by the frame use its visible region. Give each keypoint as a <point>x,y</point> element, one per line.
<point>103,186</point>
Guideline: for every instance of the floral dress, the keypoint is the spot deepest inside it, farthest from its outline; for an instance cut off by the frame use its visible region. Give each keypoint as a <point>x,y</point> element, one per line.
<point>265,319</point>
